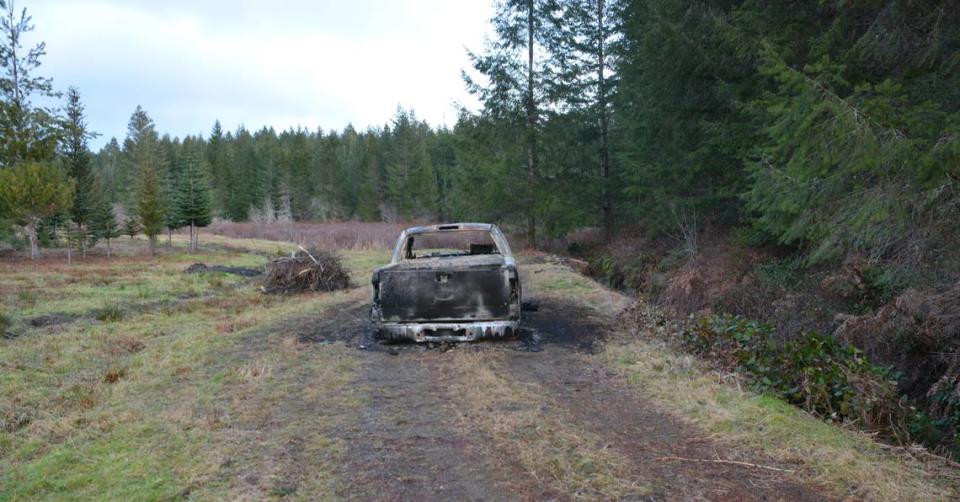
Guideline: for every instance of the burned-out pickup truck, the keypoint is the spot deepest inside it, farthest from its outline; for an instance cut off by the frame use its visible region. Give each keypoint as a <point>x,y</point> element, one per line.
<point>455,282</point>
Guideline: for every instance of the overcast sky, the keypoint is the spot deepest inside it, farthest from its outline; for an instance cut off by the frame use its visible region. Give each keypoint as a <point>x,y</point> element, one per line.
<point>314,63</point>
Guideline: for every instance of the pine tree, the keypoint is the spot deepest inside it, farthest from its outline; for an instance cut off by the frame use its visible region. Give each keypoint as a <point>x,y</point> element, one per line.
<point>170,187</point>
<point>411,184</point>
<point>131,227</point>
<point>369,194</point>
<point>32,191</point>
<point>141,150</point>
<point>78,161</point>
<point>194,197</point>
<point>27,132</point>
<point>145,157</point>
<point>150,206</point>
<point>585,36</point>
<point>103,223</point>
<point>518,80</point>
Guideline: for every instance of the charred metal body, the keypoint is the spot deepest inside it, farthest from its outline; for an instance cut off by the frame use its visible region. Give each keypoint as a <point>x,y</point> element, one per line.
<point>461,294</point>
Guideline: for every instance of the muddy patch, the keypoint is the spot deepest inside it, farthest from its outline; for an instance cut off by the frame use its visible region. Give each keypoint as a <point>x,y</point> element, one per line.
<point>55,319</point>
<point>200,268</point>
<point>349,325</point>
<point>406,444</point>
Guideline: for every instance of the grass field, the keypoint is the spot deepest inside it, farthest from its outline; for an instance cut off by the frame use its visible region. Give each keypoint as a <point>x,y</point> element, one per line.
<point>125,378</point>
<point>126,398</point>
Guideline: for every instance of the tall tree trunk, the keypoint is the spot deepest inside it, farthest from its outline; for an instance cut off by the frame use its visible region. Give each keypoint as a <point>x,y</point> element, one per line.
<point>531,138</point>
<point>604,123</point>
<point>153,245</point>
<point>83,241</point>
<point>109,251</point>
<point>193,238</point>
<point>32,237</point>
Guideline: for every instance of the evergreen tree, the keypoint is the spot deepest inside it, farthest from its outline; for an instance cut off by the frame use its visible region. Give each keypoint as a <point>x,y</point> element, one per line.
<point>150,206</point>
<point>193,200</point>
<point>584,41</point>
<point>145,157</point>
<point>371,178</point>
<point>518,80</point>
<point>107,164</point>
<point>131,226</point>
<point>27,132</point>
<point>411,184</point>
<point>32,191</point>
<point>141,151</point>
<point>103,222</point>
<point>77,157</point>
<point>170,186</point>
<point>681,138</point>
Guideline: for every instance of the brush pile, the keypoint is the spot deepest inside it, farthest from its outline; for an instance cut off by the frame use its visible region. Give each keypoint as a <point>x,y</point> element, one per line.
<point>305,270</point>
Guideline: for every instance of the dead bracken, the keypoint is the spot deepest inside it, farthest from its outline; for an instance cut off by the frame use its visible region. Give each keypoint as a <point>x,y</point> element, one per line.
<point>313,270</point>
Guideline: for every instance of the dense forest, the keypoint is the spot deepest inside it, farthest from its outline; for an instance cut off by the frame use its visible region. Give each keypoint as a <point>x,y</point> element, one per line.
<point>829,127</point>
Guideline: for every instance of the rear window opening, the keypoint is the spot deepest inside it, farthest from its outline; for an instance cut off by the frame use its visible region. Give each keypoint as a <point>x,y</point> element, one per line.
<point>446,244</point>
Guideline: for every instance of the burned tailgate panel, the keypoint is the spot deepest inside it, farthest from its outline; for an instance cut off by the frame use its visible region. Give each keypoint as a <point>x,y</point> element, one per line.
<point>462,297</point>
<point>450,294</point>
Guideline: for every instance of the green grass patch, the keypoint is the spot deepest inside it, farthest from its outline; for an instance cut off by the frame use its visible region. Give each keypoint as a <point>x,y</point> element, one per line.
<point>141,406</point>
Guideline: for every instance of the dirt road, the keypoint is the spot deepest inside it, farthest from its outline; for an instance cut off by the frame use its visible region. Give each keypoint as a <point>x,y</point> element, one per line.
<point>534,418</point>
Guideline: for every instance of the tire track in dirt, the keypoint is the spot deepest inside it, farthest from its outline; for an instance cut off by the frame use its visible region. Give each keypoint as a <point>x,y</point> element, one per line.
<point>401,435</point>
<point>598,400</point>
<point>405,442</point>
<point>406,445</point>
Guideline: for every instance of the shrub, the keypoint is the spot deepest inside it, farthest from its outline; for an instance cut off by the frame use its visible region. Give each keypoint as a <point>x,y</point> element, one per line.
<point>813,371</point>
<point>109,313</point>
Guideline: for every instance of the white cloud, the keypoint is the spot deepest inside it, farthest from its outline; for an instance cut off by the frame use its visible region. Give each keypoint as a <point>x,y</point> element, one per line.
<point>282,64</point>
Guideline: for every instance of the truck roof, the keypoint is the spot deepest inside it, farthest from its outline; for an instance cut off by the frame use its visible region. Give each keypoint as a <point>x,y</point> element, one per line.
<point>449,227</point>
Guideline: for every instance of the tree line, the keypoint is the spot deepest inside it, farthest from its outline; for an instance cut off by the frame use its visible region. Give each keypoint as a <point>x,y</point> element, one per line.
<point>827,127</point>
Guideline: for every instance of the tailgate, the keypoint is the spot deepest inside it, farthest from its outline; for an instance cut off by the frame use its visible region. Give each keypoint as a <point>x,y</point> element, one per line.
<point>474,294</point>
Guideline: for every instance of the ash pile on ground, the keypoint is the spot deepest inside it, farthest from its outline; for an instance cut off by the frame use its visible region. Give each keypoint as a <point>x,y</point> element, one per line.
<point>558,324</point>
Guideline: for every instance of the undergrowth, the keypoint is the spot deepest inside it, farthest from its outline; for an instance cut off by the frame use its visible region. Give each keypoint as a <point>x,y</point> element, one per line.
<point>110,313</point>
<point>813,371</point>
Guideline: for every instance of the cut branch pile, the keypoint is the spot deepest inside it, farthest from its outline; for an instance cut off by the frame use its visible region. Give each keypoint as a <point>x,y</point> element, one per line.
<point>306,271</point>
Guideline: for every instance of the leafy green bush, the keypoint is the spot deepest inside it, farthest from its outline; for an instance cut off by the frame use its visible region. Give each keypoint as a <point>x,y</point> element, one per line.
<point>881,286</point>
<point>939,425</point>
<point>620,273</point>
<point>779,273</point>
<point>814,371</point>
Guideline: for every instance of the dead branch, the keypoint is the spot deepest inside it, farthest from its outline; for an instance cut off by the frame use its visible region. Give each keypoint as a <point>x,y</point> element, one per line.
<point>731,462</point>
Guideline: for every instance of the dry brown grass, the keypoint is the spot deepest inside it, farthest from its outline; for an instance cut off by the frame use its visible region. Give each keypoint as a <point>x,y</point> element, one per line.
<point>232,325</point>
<point>529,429</point>
<point>853,465</point>
<point>334,235</point>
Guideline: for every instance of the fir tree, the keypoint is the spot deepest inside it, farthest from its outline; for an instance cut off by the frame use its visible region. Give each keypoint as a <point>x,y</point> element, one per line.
<point>193,199</point>
<point>131,227</point>
<point>518,79</point>
<point>103,222</point>
<point>78,161</point>
<point>32,191</point>
<point>27,132</point>
<point>150,206</point>
<point>583,43</point>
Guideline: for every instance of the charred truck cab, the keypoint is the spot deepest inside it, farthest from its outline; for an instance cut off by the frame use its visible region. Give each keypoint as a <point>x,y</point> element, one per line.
<point>455,282</point>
